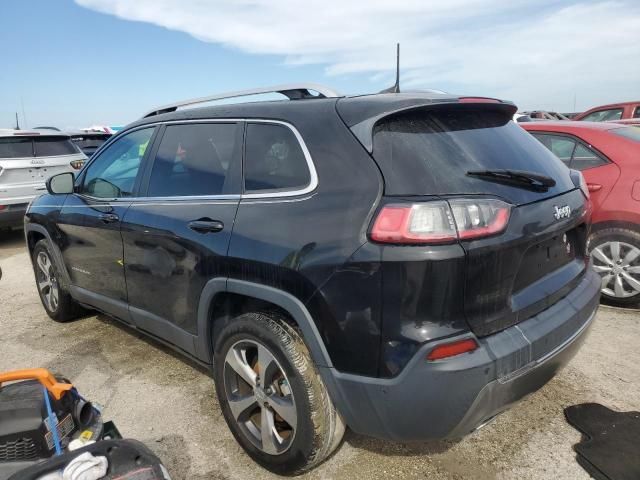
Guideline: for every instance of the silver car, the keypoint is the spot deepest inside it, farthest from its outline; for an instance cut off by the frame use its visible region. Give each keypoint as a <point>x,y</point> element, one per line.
<point>27,160</point>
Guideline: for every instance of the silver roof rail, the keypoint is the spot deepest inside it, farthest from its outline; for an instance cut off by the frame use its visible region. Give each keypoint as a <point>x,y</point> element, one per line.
<point>293,91</point>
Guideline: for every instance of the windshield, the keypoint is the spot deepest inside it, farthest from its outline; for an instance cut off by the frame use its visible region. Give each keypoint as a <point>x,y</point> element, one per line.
<point>429,152</point>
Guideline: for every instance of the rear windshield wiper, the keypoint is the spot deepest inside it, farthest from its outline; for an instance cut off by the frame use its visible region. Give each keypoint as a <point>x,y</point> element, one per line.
<point>517,178</point>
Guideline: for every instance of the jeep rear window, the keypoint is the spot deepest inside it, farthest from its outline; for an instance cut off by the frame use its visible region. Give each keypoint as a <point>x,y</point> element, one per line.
<point>428,152</point>
<point>16,147</point>
<point>52,146</point>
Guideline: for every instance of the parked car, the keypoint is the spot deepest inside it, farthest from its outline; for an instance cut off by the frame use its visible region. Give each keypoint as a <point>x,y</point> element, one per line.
<point>635,122</point>
<point>27,159</point>
<point>405,265</point>
<point>613,111</point>
<point>545,115</point>
<point>89,140</point>
<point>607,155</point>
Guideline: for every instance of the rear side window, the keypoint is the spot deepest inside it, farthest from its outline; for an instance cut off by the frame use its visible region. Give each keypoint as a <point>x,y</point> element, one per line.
<point>194,160</point>
<point>274,160</point>
<point>16,147</point>
<point>636,113</point>
<point>604,115</point>
<point>584,158</point>
<point>51,146</point>
<point>429,152</point>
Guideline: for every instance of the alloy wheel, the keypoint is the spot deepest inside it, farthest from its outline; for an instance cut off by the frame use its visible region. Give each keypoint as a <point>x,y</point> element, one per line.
<point>260,397</point>
<point>47,282</point>
<point>618,264</point>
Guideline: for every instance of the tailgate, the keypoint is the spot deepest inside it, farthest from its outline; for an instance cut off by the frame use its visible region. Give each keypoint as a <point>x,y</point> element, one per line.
<point>535,262</point>
<point>25,177</point>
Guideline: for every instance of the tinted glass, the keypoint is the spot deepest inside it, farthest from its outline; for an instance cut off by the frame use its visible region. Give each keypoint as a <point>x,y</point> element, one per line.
<point>274,159</point>
<point>636,113</point>
<point>562,147</point>
<point>15,147</point>
<point>194,160</point>
<point>52,146</point>
<point>584,158</point>
<point>632,133</point>
<point>604,115</point>
<point>113,173</point>
<point>430,151</point>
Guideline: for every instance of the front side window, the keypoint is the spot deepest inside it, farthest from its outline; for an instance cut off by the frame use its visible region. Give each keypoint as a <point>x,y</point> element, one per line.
<point>274,160</point>
<point>194,159</point>
<point>113,173</point>
<point>561,146</point>
<point>604,115</point>
<point>636,113</point>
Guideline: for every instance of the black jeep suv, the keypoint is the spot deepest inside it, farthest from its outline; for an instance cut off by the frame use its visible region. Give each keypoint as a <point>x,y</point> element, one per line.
<point>405,265</point>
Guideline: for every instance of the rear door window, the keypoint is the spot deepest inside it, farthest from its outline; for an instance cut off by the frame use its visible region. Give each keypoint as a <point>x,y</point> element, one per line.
<point>53,146</point>
<point>429,152</point>
<point>274,160</point>
<point>195,160</point>
<point>16,147</point>
<point>636,113</point>
<point>562,147</point>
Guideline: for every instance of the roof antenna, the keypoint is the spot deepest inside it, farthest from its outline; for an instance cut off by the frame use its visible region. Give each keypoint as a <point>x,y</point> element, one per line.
<point>396,87</point>
<point>17,123</point>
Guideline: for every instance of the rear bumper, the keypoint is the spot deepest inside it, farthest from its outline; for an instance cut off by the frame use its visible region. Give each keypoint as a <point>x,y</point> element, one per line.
<point>452,397</point>
<point>13,215</point>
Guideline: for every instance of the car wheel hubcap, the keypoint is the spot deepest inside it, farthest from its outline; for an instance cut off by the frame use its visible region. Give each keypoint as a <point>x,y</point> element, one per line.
<point>47,282</point>
<point>260,397</point>
<point>618,264</point>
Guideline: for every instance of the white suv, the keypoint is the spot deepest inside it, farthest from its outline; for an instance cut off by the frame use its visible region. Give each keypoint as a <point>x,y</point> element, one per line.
<point>27,159</point>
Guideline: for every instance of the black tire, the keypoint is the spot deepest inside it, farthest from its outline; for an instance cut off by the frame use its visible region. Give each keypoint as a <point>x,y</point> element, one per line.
<point>65,308</point>
<point>319,428</point>
<point>628,272</point>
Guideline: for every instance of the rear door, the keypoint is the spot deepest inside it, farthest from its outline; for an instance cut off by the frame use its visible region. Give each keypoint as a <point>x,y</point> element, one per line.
<point>177,234</point>
<point>27,162</point>
<point>91,218</point>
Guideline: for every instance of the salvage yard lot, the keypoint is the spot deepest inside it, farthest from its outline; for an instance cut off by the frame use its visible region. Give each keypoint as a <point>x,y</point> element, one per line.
<point>168,403</point>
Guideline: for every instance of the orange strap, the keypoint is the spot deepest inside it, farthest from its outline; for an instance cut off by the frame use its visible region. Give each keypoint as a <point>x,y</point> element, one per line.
<point>44,376</point>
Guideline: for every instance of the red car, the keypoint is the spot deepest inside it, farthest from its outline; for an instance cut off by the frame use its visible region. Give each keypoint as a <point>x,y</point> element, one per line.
<point>608,154</point>
<point>613,111</point>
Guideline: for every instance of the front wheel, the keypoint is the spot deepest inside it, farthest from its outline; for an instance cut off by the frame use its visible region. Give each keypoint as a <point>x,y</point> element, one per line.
<point>55,299</point>
<point>271,395</point>
<point>616,257</point>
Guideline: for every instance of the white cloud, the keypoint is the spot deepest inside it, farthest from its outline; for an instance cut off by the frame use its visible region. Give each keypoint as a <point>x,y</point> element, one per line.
<point>539,54</point>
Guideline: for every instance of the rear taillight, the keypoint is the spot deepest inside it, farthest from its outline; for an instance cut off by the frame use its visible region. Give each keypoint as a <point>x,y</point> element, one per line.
<point>452,349</point>
<point>440,221</point>
<point>3,207</point>
<point>77,164</point>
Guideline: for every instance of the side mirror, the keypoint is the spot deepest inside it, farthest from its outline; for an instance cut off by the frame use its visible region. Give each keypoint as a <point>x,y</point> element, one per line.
<point>60,184</point>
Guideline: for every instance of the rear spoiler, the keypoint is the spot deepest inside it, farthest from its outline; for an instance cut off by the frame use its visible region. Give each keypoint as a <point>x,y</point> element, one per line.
<point>363,131</point>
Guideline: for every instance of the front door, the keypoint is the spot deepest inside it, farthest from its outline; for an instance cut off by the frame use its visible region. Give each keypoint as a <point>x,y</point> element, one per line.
<point>176,235</point>
<point>91,219</point>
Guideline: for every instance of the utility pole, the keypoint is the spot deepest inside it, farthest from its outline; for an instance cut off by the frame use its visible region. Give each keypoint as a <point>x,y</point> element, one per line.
<point>17,123</point>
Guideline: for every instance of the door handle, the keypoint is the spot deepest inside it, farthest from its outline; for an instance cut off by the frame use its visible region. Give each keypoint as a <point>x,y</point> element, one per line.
<point>109,217</point>
<point>206,225</point>
<point>594,187</point>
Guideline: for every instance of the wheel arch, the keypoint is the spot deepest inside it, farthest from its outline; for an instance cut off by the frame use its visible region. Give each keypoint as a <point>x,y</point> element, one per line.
<point>218,290</point>
<point>597,227</point>
<point>33,234</point>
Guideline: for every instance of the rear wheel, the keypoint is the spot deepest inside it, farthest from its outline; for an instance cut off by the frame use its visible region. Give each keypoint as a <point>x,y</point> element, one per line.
<point>616,257</point>
<point>271,395</point>
<point>55,299</point>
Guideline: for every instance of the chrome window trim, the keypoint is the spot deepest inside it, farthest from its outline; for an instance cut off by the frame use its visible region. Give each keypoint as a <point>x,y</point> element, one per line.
<point>313,175</point>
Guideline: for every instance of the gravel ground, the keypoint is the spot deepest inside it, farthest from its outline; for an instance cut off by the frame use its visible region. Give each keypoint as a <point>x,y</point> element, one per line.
<point>168,403</point>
